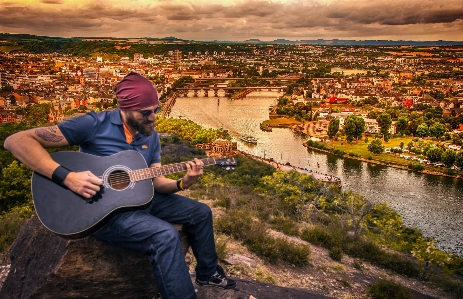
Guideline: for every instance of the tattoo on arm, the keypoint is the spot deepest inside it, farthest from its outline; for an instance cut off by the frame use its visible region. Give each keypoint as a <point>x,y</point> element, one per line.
<point>48,134</point>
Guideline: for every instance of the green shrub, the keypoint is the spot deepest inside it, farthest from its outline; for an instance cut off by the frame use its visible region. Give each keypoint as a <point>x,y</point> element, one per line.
<point>236,223</point>
<point>240,225</point>
<point>358,264</point>
<point>336,254</point>
<point>10,223</point>
<point>450,286</point>
<point>339,152</point>
<point>317,236</point>
<point>317,144</point>
<point>223,202</point>
<point>346,283</point>
<point>288,226</point>
<point>367,250</point>
<point>388,289</point>
<point>221,247</point>
<point>416,166</point>
<point>277,249</point>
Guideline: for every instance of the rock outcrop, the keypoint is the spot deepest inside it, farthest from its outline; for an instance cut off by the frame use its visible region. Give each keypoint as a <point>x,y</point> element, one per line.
<point>47,266</point>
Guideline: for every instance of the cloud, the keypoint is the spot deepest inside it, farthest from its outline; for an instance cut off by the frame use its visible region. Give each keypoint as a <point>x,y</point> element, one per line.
<point>238,20</point>
<point>52,1</point>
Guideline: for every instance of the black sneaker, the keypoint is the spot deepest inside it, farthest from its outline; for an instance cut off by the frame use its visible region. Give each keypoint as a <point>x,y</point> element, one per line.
<point>218,279</point>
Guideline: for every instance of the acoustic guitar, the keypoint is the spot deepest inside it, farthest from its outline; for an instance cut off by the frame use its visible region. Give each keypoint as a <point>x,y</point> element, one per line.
<point>127,185</point>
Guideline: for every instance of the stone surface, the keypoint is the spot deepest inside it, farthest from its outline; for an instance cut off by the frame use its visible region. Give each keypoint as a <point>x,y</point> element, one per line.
<point>45,265</point>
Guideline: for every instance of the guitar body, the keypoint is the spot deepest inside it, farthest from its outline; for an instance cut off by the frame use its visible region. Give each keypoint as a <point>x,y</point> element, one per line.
<point>68,214</point>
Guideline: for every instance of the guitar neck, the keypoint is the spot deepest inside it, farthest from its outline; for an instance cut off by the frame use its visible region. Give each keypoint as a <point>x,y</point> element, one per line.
<point>152,172</point>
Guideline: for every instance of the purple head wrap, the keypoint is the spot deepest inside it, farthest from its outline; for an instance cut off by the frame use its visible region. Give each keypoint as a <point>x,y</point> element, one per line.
<point>135,92</point>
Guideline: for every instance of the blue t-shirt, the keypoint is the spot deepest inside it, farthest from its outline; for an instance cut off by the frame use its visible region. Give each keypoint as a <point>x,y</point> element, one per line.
<point>102,134</point>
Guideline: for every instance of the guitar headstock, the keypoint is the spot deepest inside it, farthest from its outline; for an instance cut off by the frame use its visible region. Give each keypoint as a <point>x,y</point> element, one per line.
<point>226,163</point>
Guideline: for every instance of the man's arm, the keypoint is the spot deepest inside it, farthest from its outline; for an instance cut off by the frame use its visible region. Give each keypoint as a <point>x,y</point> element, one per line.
<point>30,148</point>
<point>164,185</point>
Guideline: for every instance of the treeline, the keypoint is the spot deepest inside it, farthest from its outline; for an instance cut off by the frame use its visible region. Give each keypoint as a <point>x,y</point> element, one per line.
<point>87,49</point>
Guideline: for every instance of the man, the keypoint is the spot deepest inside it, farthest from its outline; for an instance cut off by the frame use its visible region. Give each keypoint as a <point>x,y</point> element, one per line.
<point>131,127</point>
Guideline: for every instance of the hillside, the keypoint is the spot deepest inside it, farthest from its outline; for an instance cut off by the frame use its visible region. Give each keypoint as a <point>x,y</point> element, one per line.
<point>323,275</point>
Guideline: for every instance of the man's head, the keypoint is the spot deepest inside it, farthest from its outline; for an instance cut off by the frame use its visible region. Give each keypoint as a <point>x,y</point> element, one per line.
<point>135,92</point>
<point>138,101</point>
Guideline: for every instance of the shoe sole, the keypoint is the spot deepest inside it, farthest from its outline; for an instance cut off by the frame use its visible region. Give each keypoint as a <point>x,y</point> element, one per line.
<point>215,286</point>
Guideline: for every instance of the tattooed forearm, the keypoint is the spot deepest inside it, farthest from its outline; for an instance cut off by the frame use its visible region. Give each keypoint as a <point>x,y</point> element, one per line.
<point>48,134</point>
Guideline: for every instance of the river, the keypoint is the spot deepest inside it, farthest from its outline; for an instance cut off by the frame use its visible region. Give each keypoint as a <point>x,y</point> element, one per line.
<point>430,203</point>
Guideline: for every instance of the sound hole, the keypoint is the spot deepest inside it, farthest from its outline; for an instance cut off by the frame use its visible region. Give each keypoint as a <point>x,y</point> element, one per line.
<point>119,179</point>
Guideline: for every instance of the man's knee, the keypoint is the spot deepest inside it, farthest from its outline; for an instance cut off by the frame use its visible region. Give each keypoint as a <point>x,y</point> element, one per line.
<point>203,212</point>
<point>169,235</point>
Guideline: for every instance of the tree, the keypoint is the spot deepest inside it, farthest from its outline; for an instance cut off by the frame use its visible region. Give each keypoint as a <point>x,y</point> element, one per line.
<point>384,122</point>
<point>350,208</point>
<point>448,157</point>
<point>459,159</point>
<point>434,154</point>
<point>333,127</point>
<point>402,124</point>
<point>15,186</point>
<point>7,88</point>
<point>354,127</point>
<point>37,115</point>
<point>437,130</point>
<point>431,259</point>
<point>376,146</point>
<point>422,130</point>
<point>290,188</point>
<point>12,100</point>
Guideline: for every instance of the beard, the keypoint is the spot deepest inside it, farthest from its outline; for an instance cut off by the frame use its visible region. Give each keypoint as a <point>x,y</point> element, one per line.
<point>144,127</point>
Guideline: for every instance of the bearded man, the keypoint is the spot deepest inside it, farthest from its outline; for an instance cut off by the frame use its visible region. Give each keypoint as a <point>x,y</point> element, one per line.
<point>148,231</point>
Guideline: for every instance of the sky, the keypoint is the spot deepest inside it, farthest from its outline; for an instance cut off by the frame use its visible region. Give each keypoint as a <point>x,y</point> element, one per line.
<point>237,20</point>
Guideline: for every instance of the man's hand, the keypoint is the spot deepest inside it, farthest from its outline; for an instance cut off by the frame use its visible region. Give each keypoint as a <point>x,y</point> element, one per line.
<point>83,183</point>
<point>194,171</point>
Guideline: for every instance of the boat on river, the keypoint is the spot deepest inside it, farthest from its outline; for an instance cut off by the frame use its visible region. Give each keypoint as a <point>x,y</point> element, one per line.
<point>249,139</point>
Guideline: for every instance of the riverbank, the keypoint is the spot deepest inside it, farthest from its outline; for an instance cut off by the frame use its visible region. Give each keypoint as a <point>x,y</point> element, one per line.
<point>323,177</point>
<point>373,161</point>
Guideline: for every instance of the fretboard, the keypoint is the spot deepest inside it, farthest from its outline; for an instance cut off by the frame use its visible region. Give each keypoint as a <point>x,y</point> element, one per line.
<point>152,172</point>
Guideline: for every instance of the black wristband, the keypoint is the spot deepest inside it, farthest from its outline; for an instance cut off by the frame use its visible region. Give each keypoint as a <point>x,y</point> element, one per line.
<point>60,174</point>
<point>179,184</point>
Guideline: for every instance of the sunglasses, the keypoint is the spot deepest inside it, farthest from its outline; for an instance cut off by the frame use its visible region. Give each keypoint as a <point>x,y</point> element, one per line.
<point>147,113</point>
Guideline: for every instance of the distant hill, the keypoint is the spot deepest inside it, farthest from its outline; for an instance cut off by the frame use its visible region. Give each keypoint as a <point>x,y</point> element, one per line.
<point>8,37</point>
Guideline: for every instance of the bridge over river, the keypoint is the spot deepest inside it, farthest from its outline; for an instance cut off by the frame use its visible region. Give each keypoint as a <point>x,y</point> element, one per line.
<point>214,90</point>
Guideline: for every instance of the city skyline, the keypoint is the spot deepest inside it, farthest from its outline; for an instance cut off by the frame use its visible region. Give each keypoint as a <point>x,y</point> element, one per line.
<point>238,20</point>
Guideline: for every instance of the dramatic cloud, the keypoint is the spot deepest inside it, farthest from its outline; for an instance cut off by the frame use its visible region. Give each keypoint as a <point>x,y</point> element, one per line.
<point>238,20</point>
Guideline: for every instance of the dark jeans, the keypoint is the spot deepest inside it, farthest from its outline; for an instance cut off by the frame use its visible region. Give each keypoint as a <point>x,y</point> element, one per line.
<point>150,232</point>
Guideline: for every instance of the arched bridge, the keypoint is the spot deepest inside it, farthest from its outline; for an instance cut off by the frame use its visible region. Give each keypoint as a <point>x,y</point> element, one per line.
<point>214,90</point>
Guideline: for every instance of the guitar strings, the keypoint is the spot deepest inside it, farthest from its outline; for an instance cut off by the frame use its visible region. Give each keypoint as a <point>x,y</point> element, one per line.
<point>124,177</point>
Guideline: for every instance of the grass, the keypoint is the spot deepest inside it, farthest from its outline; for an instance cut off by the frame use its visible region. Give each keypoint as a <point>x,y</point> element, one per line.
<point>277,122</point>
<point>360,149</point>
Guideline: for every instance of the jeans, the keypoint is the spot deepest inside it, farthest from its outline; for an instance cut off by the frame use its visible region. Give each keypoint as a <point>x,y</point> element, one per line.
<point>149,232</point>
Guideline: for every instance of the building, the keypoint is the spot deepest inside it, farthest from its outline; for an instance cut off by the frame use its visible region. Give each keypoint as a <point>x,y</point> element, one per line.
<point>137,57</point>
<point>3,79</point>
<point>176,56</point>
